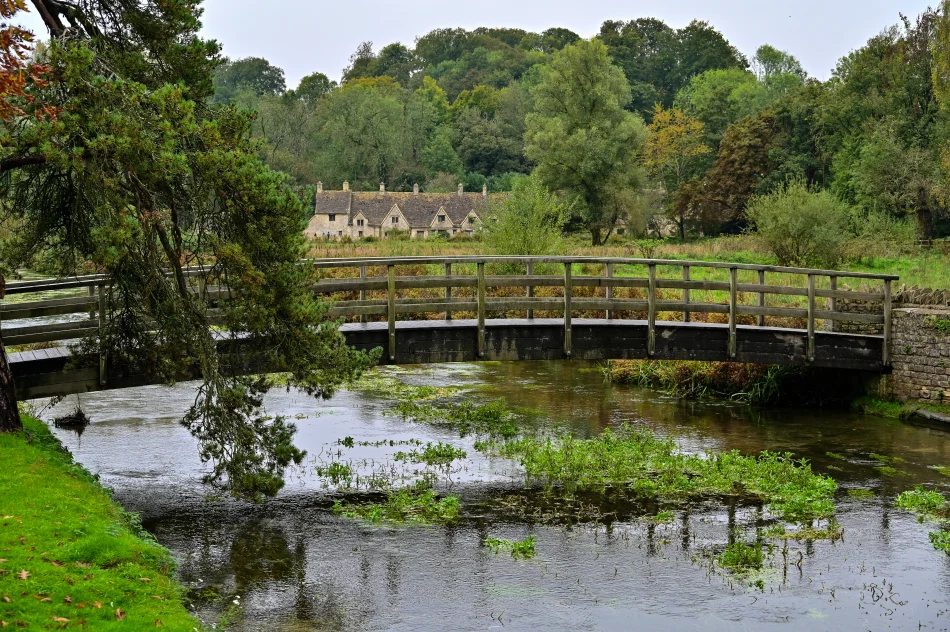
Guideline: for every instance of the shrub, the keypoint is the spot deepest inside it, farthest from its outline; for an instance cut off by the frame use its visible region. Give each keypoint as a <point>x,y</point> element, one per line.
<point>528,222</point>
<point>800,226</point>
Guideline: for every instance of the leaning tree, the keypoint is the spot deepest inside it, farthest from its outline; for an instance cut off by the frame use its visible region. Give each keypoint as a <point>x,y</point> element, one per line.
<point>120,162</point>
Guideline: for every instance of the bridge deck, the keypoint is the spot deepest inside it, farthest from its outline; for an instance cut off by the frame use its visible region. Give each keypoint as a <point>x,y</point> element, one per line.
<point>45,373</point>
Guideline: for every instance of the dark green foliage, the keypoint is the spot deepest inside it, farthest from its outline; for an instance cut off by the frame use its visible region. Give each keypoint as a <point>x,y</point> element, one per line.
<point>251,74</point>
<point>139,178</point>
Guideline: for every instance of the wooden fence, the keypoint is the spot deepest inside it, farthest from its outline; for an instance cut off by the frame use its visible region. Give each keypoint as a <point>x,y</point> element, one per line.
<point>393,288</point>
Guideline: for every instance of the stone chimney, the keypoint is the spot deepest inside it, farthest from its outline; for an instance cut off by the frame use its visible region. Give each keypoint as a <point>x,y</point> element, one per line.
<point>346,185</point>
<point>415,189</point>
<point>484,190</point>
<point>382,187</point>
<point>461,189</point>
<point>319,187</point>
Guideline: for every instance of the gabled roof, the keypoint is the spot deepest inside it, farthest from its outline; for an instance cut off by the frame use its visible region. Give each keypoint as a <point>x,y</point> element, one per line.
<point>329,202</point>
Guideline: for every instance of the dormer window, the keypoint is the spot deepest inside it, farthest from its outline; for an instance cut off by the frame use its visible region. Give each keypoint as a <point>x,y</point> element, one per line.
<point>471,220</point>
<point>359,222</point>
<point>332,217</point>
<point>395,220</point>
<point>441,218</point>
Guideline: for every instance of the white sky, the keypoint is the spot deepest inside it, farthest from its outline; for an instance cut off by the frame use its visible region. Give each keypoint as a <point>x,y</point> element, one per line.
<point>303,36</point>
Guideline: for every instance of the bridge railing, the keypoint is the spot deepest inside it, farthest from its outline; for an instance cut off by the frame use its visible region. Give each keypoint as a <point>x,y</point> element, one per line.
<point>393,289</point>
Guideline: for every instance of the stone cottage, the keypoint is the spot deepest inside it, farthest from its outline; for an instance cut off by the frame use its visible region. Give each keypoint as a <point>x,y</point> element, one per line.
<point>346,213</point>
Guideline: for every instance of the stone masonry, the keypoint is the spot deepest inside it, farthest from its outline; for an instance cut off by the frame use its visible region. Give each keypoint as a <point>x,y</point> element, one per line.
<point>920,353</point>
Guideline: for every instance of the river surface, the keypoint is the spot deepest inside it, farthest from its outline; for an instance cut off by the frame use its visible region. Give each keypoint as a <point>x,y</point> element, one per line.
<point>292,564</point>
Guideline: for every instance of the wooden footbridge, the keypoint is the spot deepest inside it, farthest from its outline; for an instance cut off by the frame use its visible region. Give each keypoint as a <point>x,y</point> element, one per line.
<point>466,309</point>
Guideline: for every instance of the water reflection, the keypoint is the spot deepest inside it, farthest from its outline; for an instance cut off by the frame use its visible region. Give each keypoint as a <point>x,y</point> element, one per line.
<point>296,566</point>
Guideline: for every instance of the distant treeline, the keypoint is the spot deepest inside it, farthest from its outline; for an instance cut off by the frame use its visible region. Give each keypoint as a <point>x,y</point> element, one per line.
<point>723,128</point>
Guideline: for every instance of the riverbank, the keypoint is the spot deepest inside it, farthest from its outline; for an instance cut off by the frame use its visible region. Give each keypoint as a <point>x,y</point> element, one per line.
<point>69,555</point>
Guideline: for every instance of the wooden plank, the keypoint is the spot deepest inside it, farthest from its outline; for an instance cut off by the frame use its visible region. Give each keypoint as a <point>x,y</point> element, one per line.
<point>651,311</point>
<point>481,309</point>
<point>448,289</point>
<point>811,318</point>
<point>568,295</point>
<point>686,314</point>
<point>760,321</point>
<point>848,317</point>
<point>610,289</point>
<point>886,355</point>
<point>54,307</point>
<point>363,292</point>
<point>733,309</point>
<point>834,299</point>
<point>391,312</point>
<point>530,270</point>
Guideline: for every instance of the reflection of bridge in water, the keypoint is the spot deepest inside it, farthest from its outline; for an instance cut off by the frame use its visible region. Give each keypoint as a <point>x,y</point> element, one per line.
<point>465,309</point>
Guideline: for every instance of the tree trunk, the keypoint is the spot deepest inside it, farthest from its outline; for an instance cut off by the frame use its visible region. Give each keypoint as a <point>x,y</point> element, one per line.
<point>595,236</point>
<point>9,413</point>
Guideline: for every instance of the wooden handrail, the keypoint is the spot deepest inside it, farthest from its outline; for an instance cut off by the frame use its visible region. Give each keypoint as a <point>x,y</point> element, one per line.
<point>448,275</point>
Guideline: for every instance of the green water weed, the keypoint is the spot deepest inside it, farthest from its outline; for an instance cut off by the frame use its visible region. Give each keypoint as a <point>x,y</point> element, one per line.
<point>519,549</point>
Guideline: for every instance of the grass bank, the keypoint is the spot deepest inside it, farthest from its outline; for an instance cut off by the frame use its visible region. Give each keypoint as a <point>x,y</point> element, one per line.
<point>70,557</point>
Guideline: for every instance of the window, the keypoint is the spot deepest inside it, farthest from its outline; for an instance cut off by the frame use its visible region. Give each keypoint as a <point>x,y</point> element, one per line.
<point>471,220</point>
<point>620,231</point>
<point>360,234</point>
<point>470,232</point>
<point>339,233</point>
<point>420,233</point>
<point>359,222</point>
<point>441,218</point>
<point>395,220</point>
<point>332,217</point>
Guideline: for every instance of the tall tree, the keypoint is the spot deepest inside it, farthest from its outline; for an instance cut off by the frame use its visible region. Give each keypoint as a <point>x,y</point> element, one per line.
<point>673,151</point>
<point>140,177</point>
<point>251,74</point>
<point>582,138</point>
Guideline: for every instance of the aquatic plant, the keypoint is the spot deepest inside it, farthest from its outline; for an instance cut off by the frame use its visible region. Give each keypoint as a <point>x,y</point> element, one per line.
<point>890,472</point>
<point>740,557</point>
<point>921,501</point>
<point>418,505</point>
<point>861,494</point>
<point>836,456</point>
<point>524,549</point>
<point>336,472</point>
<point>493,419</point>
<point>651,466</point>
<point>433,455</point>
<point>941,541</point>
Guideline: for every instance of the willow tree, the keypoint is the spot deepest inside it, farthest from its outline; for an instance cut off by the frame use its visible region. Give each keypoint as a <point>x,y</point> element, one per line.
<point>138,176</point>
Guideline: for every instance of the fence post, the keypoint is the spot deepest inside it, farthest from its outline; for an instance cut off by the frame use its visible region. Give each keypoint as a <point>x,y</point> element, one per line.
<point>92,293</point>
<point>391,313</point>
<point>834,302</point>
<point>363,292</point>
<point>481,309</point>
<point>686,295</point>
<point>568,297</point>
<point>651,311</point>
<point>448,291</point>
<point>610,290</point>
<point>103,354</point>
<point>761,319</point>
<point>530,289</point>
<point>811,317</point>
<point>733,311</point>
<point>886,359</point>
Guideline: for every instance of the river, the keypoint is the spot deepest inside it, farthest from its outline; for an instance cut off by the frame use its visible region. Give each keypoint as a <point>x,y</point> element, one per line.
<point>292,564</point>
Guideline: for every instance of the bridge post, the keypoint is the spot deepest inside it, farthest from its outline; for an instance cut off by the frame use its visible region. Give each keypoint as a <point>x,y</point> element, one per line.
<point>391,313</point>
<point>610,290</point>
<point>530,288</point>
<point>92,293</point>
<point>651,311</point>
<point>686,294</point>
<point>363,292</point>
<point>448,291</point>
<point>733,310</point>
<point>886,359</point>
<point>811,317</point>
<point>103,355</point>
<point>761,319</point>
<point>568,297</point>
<point>481,309</point>
<point>834,301</point>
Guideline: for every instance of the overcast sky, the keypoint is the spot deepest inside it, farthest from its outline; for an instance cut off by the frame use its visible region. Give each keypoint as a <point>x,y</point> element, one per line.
<point>303,36</point>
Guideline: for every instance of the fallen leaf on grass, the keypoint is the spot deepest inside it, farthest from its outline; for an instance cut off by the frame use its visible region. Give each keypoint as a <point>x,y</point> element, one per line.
<point>159,624</point>
<point>119,615</point>
<point>97,604</point>
<point>68,599</point>
<point>83,565</point>
<point>60,620</point>
<point>144,579</point>
<point>24,574</point>
<point>159,597</point>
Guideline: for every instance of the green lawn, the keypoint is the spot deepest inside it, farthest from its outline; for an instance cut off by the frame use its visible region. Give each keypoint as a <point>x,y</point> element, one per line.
<point>69,556</point>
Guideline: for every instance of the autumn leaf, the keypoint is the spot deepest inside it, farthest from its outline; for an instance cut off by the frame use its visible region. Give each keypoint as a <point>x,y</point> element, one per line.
<point>97,604</point>
<point>23,575</point>
<point>3,561</point>
<point>83,565</point>
<point>68,599</point>
<point>160,598</point>
<point>159,624</point>
<point>119,615</point>
<point>144,579</point>
<point>60,620</point>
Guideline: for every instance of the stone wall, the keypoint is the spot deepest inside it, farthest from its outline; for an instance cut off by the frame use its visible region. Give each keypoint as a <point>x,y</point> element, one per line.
<point>920,353</point>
